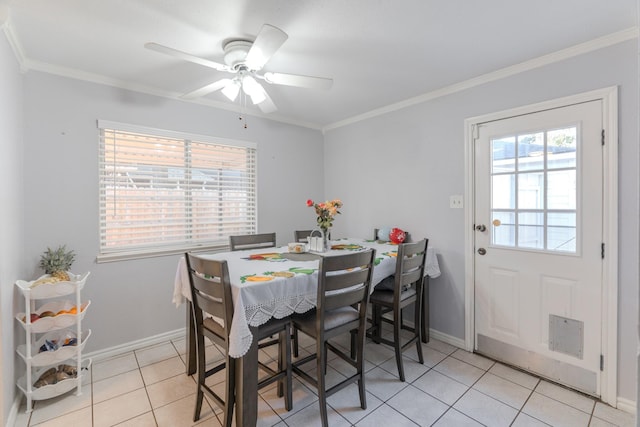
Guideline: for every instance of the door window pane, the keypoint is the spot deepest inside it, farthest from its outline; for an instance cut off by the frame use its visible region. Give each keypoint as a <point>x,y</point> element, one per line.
<point>531,190</point>
<point>530,236</point>
<point>562,189</point>
<point>531,151</point>
<point>531,230</point>
<point>503,191</point>
<point>503,153</point>
<point>503,226</point>
<point>561,148</point>
<point>561,231</point>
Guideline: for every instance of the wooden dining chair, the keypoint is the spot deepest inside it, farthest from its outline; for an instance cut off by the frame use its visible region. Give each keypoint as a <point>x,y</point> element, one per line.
<point>257,241</point>
<point>212,308</point>
<point>343,290</point>
<point>300,236</point>
<point>252,241</point>
<point>406,289</point>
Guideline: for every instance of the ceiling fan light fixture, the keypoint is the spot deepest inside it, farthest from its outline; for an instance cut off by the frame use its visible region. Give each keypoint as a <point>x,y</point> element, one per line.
<point>252,88</point>
<point>231,90</point>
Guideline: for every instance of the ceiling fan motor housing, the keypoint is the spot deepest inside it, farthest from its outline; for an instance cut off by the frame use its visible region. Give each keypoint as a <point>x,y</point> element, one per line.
<point>235,53</point>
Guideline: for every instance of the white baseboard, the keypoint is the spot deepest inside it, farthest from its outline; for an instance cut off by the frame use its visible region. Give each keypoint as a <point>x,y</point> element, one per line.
<point>13,411</point>
<point>134,345</point>
<point>627,405</point>
<point>449,339</point>
<point>441,336</point>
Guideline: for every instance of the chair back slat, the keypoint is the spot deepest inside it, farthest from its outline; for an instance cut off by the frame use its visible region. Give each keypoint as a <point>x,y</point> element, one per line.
<point>331,302</point>
<point>209,295</point>
<point>252,241</point>
<point>410,264</point>
<point>344,280</point>
<point>300,236</point>
<point>415,247</point>
<point>411,277</point>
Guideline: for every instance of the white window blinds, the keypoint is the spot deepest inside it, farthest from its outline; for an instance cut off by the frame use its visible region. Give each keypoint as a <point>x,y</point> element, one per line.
<point>163,191</point>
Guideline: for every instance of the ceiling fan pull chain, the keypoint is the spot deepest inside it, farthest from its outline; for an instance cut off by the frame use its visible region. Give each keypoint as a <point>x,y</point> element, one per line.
<point>243,109</point>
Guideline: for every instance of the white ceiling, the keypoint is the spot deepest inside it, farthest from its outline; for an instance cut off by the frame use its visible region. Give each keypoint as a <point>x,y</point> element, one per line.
<point>379,52</point>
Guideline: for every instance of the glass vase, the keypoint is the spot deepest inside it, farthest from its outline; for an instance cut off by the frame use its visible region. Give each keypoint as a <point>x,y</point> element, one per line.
<point>326,242</point>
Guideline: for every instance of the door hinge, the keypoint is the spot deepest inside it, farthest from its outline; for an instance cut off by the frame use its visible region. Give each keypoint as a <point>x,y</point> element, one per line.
<point>602,250</point>
<point>475,130</point>
<point>602,362</point>
<point>602,136</point>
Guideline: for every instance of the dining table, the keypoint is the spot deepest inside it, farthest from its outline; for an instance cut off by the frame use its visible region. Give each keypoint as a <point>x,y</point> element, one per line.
<point>275,283</point>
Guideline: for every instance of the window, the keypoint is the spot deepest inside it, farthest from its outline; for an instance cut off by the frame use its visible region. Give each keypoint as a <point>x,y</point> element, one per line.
<point>164,192</point>
<point>534,190</point>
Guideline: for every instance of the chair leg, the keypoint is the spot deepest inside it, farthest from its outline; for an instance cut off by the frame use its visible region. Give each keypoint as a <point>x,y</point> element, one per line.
<point>425,310</point>
<point>294,337</point>
<point>230,395</point>
<point>320,371</point>
<point>284,363</point>
<point>362,333</point>
<point>325,354</point>
<point>200,374</point>
<point>376,317</point>
<point>418,329</point>
<point>281,362</point>
<point>397,325</point>
<point>353,352</point>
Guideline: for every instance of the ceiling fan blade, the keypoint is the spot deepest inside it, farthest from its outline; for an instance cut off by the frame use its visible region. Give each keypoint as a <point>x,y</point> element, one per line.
<point>217,85</point>
<point>267,106</point>
<point>185,56</point>
<point>310,82</point>
<point>266,44</point>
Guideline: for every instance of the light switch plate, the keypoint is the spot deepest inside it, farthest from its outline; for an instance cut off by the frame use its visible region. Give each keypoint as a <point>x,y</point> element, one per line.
<point>456,201</point>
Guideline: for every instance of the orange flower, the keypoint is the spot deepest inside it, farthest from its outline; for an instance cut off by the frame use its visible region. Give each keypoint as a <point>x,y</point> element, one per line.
<point>326,211</point>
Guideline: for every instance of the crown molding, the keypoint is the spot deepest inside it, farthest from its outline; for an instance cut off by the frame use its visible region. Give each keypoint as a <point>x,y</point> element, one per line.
<point>7,29</point>
<point>570,52</point>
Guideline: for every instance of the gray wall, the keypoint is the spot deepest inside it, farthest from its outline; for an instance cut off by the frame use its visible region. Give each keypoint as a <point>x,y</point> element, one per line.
<point>11,214</point>
<point>416,160</point>
<point>131,300</point>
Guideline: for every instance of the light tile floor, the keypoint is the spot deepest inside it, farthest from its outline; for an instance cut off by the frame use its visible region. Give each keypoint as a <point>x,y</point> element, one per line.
<point>148,387</point>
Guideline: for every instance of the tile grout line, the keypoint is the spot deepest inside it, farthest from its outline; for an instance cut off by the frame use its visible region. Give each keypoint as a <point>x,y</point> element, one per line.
<point>146,391</point>
<point>525,404</point>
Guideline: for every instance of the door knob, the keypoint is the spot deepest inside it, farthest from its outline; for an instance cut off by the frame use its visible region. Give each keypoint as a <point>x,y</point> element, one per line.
<point>481,227</point>
<point>482,251</point>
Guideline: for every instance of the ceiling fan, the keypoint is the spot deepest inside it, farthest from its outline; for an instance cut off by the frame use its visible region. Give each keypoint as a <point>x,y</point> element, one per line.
<point>245,59</point>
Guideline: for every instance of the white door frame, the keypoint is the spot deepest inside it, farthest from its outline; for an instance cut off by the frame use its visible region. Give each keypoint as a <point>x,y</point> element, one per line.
<point>609,98</point>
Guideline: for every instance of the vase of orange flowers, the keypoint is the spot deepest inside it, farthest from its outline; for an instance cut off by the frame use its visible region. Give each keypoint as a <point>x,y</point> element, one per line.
<point>326,212</point>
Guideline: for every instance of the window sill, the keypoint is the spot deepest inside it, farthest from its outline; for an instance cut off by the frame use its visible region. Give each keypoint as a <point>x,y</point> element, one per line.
<point>131,255</point>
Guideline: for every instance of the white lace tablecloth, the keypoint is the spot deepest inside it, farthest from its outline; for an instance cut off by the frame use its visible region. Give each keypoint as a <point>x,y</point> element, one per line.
<point>265,283</point>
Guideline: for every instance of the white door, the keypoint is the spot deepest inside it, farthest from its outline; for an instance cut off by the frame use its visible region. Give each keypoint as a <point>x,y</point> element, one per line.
<point>538,242</point>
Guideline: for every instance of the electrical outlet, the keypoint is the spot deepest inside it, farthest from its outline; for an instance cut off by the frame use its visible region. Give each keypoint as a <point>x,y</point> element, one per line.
<point>456,201</point>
